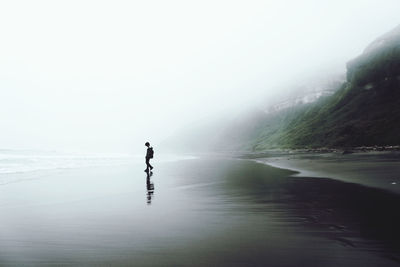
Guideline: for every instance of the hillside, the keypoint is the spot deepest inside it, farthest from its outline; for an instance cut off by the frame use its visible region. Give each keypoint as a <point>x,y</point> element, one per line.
<point>258,128</point>
<point>363,110</point>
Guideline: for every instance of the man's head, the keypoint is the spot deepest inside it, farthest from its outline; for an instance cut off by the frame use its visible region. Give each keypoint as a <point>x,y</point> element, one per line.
<point>147,144</point>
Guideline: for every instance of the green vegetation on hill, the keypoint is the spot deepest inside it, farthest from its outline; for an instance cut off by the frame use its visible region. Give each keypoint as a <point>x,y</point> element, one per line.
<point>365,111</point>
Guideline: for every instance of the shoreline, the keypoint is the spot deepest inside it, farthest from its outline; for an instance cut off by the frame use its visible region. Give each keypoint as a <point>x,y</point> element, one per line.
<point>378,169</point>
<point>221,211</point>
<point>322,150</point>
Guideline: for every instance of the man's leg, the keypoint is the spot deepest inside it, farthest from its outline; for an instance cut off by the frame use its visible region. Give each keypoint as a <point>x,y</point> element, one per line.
<point>147,164</point>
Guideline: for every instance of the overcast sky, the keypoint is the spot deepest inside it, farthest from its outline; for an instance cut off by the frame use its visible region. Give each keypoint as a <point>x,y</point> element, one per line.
<point>110,75</point>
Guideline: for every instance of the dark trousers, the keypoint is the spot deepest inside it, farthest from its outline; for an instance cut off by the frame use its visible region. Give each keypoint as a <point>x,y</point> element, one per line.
<point>148,164</point>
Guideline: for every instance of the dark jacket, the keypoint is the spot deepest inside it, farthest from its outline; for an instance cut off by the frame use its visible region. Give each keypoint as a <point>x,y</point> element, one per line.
<point>148,153</point>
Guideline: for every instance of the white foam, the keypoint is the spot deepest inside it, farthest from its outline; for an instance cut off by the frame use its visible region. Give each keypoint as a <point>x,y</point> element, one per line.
<point>12,161</point>
<point>22,161</point>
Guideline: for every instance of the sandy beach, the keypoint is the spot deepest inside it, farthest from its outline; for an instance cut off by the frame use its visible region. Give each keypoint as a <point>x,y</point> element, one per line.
<point>197,212</point>
<point>374,169</point>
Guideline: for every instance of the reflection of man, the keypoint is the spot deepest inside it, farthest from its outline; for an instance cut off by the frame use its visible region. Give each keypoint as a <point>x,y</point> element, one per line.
<point>149,155</point>
<point>150,187</point>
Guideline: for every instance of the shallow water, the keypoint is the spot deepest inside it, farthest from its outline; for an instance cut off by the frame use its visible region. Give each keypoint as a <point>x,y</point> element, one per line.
<point>219,212</point>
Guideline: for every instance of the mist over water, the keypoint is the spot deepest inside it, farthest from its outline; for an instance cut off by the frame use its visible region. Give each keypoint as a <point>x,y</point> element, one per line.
<point>104,76</point>
<point>85,84</point>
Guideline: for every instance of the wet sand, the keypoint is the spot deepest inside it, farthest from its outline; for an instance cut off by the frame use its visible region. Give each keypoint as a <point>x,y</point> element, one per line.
<point>374,169</point>
<point>215,212</point>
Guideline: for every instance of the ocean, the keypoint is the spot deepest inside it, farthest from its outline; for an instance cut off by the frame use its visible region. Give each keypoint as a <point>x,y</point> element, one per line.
<point>26,164</point>
<point>70,210</point>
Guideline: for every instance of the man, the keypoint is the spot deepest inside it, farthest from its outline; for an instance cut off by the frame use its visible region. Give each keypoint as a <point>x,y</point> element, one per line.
<point>149,155</point>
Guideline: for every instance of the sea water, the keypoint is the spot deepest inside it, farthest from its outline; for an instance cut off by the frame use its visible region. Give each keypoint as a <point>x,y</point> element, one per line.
<point>16,165</point>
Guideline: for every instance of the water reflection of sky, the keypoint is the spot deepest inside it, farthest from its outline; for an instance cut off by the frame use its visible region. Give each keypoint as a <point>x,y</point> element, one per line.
<point>217,212</point>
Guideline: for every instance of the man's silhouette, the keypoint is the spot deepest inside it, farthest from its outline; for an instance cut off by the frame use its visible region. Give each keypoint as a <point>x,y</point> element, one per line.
<point>149,155</point>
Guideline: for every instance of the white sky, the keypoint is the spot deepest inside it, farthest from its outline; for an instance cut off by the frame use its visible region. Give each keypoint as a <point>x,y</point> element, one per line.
<point>110,75</point>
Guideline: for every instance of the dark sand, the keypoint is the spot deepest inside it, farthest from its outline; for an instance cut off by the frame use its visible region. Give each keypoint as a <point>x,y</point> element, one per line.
<point>374,169</point>
<point>217,212</point>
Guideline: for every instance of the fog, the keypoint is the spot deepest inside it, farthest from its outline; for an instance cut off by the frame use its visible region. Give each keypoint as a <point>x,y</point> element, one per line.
<point>106,76</point>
